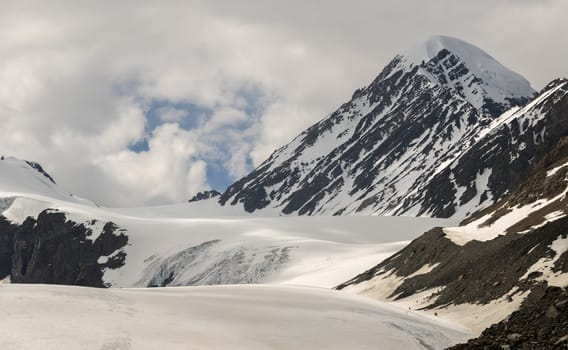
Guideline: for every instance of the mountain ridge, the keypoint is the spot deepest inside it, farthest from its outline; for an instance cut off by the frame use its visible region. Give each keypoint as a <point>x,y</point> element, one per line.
<point>393,135</point>
<point>484,68</point>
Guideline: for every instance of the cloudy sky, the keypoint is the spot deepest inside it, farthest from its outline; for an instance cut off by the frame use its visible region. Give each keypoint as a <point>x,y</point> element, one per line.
<point>147,102</point>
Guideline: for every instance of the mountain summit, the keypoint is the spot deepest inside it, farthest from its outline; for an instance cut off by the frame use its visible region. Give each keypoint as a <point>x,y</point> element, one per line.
<point>476,75</point>
<point>382,151</point>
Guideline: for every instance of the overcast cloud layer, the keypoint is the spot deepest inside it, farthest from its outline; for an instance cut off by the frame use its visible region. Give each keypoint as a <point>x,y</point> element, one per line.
<point>147,102</point>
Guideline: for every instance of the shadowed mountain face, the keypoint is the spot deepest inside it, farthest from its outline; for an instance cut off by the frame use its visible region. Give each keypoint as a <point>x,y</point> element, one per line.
<point>396,139</point>
<point>500,159</point>
<point>55,250</point>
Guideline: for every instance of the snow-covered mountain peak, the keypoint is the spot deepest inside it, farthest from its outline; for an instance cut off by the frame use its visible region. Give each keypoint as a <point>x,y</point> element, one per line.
<point>472,72</point>
<point>23,173</point>
<point>391,140</point>
<point>429,49</point>
<point>20,177</point>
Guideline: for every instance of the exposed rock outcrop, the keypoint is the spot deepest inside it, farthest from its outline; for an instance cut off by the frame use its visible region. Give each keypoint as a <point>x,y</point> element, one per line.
<point>39,168</point>
<point>200,196</point>
<point>7,231</point>
<point>55,250</point>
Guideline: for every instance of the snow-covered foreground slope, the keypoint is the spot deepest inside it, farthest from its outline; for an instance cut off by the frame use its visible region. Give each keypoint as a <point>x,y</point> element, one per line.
<point>170,247</point>
<point>213,317</point>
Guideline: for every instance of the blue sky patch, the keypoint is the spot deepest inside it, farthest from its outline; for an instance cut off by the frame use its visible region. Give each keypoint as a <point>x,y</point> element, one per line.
<point>249,99</point>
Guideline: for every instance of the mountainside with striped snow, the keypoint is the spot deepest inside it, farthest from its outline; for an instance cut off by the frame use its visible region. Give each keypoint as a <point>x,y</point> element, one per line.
<point>381,152</point>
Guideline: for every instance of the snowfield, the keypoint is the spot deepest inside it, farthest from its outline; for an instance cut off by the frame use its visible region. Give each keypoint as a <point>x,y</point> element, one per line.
<point>262,276</point>
<point>212,317</point>
<point>203,243</point>
<point>316,251</point>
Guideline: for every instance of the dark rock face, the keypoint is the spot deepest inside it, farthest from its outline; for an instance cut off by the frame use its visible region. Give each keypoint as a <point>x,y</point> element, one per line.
<point>38,167</point>
<point>204,195</point>
<point>541,185</point>
<point>6,247</point>
<point>508,154</point>
<point>382,151</point>
<point>54,250</point>
<point>540,323</point>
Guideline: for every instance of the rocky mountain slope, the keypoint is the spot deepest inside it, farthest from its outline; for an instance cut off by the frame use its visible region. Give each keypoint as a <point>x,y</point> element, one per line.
<point>541,323</point>
<point>490,265</point>
<point>416,127</point>
<point>200,196</point>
